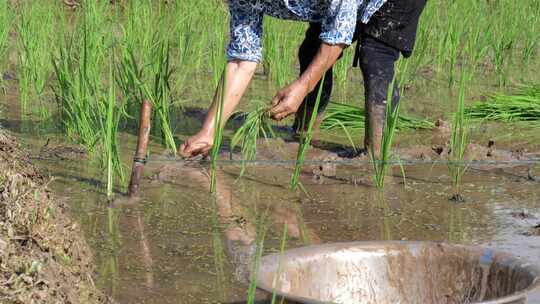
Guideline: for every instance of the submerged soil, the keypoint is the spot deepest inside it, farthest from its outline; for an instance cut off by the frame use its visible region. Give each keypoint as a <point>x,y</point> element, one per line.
<point>43,256</point>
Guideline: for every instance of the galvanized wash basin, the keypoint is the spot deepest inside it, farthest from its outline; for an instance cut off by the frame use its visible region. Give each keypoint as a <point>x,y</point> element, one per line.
<point>398,272</point>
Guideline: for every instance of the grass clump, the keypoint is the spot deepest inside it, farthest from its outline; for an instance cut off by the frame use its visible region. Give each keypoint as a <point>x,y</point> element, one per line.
<point>256,124</point>
<point>339,115</point>
<point>521,106</point>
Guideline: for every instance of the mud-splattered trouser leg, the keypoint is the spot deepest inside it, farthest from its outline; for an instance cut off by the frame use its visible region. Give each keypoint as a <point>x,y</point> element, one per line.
<point>377,61</point>
<point>307,51</point>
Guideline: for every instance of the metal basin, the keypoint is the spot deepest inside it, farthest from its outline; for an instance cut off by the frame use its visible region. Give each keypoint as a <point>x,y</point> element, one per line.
<point>398,272</point>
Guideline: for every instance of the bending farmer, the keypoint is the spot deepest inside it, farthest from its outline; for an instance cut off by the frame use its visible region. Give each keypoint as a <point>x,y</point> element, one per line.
<point>383,28</point>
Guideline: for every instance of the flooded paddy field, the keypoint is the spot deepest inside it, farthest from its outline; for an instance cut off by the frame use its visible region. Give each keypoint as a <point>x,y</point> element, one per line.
<point>74,105</point>
<point>176,244</point>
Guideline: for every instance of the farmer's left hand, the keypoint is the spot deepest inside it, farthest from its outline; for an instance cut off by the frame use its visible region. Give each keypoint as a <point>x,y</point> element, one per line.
<point>288,100</point>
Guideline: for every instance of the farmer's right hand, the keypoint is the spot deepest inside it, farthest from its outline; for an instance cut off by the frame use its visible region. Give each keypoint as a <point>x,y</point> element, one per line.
<point>198,144</point>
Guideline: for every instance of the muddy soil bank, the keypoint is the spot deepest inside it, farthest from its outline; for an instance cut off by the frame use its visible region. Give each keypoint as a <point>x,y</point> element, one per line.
<point>43,256</point>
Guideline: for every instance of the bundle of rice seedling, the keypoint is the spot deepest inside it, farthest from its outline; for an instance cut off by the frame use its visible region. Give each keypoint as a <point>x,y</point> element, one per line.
<point>522,106</point>
<point>339,115</point>
<point>256,124</point>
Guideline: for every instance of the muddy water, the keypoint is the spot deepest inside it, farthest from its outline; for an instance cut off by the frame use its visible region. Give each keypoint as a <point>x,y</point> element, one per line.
<point>175,245</point>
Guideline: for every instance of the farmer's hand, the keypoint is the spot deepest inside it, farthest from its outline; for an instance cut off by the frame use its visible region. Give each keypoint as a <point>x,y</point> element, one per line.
<point>288,100</point>
<point>198,144</point>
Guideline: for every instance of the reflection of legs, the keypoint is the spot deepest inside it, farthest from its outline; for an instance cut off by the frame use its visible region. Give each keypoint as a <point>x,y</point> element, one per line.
<point>239,232</point>
<point>147,259</point>
<point>306,53</point>
<point>377,63</point>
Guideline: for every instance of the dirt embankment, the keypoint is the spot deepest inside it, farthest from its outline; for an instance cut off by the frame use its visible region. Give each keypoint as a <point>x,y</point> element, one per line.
<point>43,256</point>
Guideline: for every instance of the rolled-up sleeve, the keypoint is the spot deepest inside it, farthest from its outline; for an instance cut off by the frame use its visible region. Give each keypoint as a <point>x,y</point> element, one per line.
<point>246,28</point>
<point>339,24</point>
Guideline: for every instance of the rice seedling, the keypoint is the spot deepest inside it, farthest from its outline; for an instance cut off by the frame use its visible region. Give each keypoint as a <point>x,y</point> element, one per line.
<point>278,57</point>
<point>256,124</point>
<point>78,74</point>
<point>503,38</point>
<point>342,68</point>
<point>459,140</point>
<point>156,90</point>
<point>6,20</point>
<point>381,162</point>
<point>305,139</point>
<point>109,130</point>
<point>524,105</point>
<point>35,27</point>
<point>530,31</point>
<point>345,116</point>
<point>218,130</point>
<point>145,68</point>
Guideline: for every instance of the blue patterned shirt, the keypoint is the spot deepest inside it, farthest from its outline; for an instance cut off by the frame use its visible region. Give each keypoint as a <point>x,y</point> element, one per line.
<point>337,17</point>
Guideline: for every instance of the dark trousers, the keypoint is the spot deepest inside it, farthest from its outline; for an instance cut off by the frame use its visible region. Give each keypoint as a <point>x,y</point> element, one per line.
<point>391,31</point>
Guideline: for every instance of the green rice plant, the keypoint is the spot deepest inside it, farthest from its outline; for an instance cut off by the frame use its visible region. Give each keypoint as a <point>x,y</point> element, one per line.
<point>191,38</point>
<point>345,116</point>
<point>453,43</point>
<point>305,139</point>
<point>381,162</point>
<point>342,68</point>
<point>459,140</point>
<point>531,38</point>
<point>75,96</point>
<point>79,75</point>
<point>278,45</point>
<point>523,105</point>
<point>6,20</point>
<point>218,131</point>
<point>156,90</point>
<point>256,124</point>
<point>476,47</point>
<point>108,136</point>
<point>503,39</point>
<point>145,69</point>
<point>35,27</point>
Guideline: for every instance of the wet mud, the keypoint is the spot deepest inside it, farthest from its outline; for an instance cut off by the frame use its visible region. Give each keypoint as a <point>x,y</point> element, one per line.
<point>176,242</point>
<point>43,254</point>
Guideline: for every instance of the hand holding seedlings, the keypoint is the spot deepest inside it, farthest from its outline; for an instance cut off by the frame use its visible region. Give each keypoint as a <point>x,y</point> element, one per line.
<point>288,100</point>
